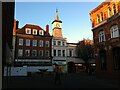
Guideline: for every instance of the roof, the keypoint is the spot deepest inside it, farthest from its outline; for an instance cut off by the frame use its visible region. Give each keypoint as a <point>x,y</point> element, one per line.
<point>33,26</point>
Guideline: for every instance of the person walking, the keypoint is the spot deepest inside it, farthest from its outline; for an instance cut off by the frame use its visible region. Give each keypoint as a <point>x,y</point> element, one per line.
<point>57,74</point>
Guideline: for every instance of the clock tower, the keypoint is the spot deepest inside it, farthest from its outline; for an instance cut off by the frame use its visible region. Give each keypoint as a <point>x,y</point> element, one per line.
<point>57,27</point>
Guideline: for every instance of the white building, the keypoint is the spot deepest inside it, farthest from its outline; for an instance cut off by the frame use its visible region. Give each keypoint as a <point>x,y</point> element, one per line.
<point>59,46</point>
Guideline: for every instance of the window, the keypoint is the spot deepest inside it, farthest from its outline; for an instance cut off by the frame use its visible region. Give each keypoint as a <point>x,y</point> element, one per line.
<point>70,53</point>
<point>41,43</point>
<point>101,36</point>
<point>102,16</point>
<point>59,52</point>
<point>34,52</point>
<point>54,42</point>
<point>59,43</point>
<point>47,53</point>
<point>114,9</point>
<point>114,31</point>
<point>34,42</point>
<point>28,31</point>
<point>27,42</point>
<point>41,32</point>
<point>116,58</point>
<point>63,53</point>
<point>63,43</point>
<point>20,42</point>
<point>27,52</point>
<point>20,52</point>
<point>47,44</point>
<point>109,12</point>
<point>54,52</point>
<point>34,31</point>
<point>41,53</point>
<point>98,19</point>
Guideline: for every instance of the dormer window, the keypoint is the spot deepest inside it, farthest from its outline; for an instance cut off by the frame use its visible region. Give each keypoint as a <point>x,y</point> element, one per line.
<point>34,32</point>
<point>28,31</point>
<point>41,32</point>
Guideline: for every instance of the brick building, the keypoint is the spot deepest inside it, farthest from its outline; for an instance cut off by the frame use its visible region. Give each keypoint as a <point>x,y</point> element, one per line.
<point>32,45</point>
<point>106,34</point>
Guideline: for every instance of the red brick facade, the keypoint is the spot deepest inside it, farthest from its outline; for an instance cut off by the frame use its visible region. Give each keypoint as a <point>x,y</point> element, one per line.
<point>32,50</point>
<point>106,35</point>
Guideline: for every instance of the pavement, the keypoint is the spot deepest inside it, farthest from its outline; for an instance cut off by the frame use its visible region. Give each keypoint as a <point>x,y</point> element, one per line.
<point>72,80</point>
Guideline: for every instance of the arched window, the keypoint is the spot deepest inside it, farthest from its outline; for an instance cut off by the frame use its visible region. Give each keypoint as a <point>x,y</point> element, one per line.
<point>114,31</point>
<point>114,9</point>
<point>101,36</point>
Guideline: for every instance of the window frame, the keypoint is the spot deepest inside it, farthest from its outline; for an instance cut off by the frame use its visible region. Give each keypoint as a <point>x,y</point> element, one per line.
<point>40,54</point>
<point>114,31</point>
<point>27,42</point>
<point>20,52</point>
<point>28,29</point>
<point>34,33</point>
<point>28,52</point>
<point>47,43</point>
<point>101,36</point>
<point>47,55</point>
<point>59,44</point>
<point>20,42</point>
<point>34,43</point>
<point>41,43</point>
<point>35,53</point>
<point>40,32</point>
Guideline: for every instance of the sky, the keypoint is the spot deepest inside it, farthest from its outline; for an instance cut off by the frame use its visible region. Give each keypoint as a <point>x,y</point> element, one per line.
<point>75,17</point>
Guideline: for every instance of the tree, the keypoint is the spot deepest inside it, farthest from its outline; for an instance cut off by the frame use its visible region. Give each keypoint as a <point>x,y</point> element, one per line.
<point>85,52</point>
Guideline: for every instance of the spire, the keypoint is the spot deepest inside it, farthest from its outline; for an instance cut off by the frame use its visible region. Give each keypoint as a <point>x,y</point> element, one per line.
<point>56,18</point>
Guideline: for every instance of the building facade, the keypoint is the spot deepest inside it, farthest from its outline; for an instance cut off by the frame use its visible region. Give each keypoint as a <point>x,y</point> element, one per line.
<point>74,64</point>
<point>59,45</point>
<point>106,34</point>
<point>32,46</point>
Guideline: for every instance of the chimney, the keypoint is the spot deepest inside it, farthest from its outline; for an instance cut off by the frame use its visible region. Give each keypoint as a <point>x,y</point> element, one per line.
<point>14,28</point>
<point>47,28</point>
<point>17,23</point>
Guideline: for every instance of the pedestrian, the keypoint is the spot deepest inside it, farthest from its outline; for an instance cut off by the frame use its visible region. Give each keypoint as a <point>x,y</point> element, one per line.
<point>57,74</point>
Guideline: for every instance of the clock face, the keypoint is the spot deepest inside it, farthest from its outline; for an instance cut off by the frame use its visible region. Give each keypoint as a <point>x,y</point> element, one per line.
<point>57,25</point>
